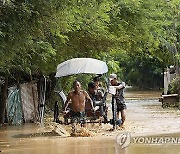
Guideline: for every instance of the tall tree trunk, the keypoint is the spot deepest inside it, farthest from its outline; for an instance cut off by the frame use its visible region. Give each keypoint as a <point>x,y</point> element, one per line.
<point>177,67</point>
<point>3,101</point>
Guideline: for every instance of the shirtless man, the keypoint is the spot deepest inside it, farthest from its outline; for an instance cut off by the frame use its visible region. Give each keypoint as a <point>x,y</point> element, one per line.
<point>78,98</point>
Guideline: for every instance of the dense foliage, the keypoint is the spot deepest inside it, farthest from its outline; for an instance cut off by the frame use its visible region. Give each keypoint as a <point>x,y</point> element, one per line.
<point>136,38</point>
<point>175,86</point>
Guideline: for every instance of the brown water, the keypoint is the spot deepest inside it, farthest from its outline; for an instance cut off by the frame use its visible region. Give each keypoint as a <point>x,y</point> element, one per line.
<point>144,118</point>
<point>136,95</point>
<point>18,140</point>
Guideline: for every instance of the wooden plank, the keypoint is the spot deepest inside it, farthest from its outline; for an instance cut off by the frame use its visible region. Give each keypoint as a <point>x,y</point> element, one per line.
<point>170,95</point>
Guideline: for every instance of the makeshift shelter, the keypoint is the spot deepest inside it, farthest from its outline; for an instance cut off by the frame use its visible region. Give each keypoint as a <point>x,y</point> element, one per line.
<point>14,107</point>
<point>24,105</point>
<point>29,101</point>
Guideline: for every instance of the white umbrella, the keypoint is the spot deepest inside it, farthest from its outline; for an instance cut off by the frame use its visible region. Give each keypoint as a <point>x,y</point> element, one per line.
<point>81,65</point>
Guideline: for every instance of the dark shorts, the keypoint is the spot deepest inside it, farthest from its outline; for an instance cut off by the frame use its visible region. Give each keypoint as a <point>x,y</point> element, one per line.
<point>77,116</point>
<point>120,105</point>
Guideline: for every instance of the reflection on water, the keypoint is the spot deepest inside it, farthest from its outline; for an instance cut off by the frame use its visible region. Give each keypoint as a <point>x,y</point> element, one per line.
<point>33,139</point>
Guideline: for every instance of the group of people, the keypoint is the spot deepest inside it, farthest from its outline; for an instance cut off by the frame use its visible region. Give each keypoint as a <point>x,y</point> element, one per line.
<point>95,93</point>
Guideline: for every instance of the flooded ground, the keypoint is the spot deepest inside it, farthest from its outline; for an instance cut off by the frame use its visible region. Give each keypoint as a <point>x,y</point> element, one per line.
<point>145,119</point>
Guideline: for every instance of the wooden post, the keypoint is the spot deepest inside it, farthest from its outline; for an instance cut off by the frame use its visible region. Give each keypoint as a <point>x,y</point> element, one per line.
<point>3,100</point>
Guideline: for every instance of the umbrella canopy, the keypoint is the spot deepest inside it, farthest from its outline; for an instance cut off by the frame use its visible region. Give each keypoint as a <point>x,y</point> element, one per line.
<point>81,65</point>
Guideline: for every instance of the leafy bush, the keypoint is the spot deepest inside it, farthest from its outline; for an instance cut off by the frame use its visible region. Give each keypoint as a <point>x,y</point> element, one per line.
<point>175,86</point>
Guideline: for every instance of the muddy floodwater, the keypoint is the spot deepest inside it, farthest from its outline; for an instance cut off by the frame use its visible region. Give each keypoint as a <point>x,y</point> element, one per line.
<point>150,130</point>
